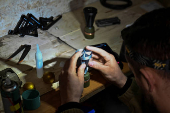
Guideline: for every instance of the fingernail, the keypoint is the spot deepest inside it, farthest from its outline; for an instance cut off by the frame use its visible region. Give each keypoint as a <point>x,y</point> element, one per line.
<point>83,65</point>
<point>81,54</point>
<point>88,46</point>
<point>91,63</point>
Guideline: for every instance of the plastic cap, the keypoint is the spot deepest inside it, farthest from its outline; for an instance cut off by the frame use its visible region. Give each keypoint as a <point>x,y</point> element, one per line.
<point>38,48</point>
<point>8,81</point>
<point>38,53</point>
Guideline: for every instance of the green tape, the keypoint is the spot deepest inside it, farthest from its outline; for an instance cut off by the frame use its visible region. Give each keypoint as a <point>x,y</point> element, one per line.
<point>87,80</point>
<point>89,32</point>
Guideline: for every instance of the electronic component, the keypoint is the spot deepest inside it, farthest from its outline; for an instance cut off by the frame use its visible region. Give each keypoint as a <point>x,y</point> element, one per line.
<point>85,57</point>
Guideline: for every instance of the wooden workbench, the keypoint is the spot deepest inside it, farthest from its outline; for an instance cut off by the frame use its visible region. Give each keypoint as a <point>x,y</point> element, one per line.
<point>55,52</point>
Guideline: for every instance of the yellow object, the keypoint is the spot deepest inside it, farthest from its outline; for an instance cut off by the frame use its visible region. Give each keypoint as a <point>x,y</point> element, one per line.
<point>49,77</point>
<point>15,107</point>
<point>55,85</point>
<point>28,85</point>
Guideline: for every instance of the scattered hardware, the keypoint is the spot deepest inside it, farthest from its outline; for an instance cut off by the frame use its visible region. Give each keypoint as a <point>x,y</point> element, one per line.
<point>27,49</point>
<point>28,25</point>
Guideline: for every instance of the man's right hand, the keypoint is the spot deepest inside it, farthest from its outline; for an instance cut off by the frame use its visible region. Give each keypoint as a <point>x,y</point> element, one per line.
<point>107,65</point>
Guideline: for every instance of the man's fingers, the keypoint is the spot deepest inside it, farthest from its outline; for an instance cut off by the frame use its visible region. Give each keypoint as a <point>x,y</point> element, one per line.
<point>96,65</point>
<point>95,56</point>
<point>73,60</point>
<point>66,65</point>
<point>80,72</point>
<point>99,51</point>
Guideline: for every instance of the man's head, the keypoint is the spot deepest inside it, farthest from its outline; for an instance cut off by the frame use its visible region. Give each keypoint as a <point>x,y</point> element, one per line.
<point>149,37</point>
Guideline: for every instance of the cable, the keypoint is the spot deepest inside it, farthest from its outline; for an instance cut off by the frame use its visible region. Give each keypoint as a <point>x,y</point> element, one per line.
<point>117,7</point>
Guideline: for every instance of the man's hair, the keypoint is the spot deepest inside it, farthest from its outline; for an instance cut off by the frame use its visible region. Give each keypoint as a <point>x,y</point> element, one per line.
<point>150,35</point>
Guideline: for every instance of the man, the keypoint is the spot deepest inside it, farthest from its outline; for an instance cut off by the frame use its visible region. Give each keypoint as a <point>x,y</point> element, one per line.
<point>147,44</point>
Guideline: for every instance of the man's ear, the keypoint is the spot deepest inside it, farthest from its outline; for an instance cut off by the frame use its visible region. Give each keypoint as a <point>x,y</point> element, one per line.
<point>149,77</point>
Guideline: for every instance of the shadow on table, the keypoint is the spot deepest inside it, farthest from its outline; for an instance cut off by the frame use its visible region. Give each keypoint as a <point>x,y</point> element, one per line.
<point>55,65</point>
<point>21,67</point>
<point>29,73</point>
<point>52,65</point>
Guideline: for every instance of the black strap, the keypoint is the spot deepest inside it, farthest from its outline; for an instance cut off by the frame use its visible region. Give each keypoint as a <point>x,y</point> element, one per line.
<point>149,62</point>
<point>118,7</point>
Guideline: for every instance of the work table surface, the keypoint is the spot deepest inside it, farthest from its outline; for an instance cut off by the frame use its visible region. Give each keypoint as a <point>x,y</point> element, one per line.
<point>61,41</point>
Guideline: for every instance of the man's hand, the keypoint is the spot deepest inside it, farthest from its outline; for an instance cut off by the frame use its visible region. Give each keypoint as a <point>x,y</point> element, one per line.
<point>107,65</point>
<point>71,83</point>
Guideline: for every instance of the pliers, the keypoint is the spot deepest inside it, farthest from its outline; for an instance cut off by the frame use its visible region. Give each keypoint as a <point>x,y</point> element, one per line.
<point>27,49</point>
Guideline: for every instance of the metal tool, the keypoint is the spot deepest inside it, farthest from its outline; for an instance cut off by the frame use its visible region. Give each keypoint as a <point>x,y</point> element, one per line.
<point>27,49</point>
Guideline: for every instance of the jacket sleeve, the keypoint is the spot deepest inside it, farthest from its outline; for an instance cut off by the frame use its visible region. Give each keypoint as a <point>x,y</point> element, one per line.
<point>71,107</point>
<point>73,110</point>
<point>132,98</point>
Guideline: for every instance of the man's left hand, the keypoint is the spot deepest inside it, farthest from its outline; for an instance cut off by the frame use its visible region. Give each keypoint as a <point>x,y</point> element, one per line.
<point>71,83</point>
